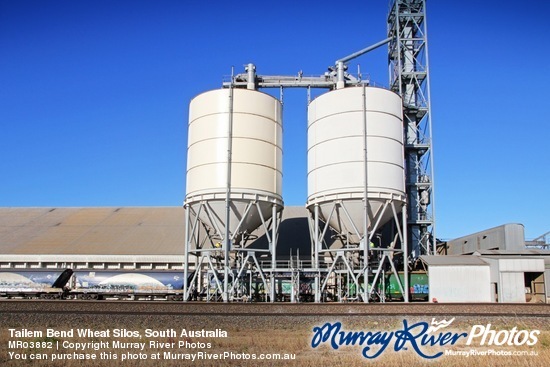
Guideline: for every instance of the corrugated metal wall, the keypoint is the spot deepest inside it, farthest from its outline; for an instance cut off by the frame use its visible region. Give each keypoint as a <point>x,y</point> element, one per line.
<point>460,283</point>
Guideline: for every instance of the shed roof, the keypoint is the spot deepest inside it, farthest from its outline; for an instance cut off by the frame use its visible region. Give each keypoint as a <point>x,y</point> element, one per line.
<point>89,231</point>
<point>126,231</point>
<point>453,260</point>
<point>527,252</point>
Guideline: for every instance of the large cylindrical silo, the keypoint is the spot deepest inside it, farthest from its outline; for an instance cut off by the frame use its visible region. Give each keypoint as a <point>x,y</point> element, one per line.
<point>337,172</point>
<point>238,129</point>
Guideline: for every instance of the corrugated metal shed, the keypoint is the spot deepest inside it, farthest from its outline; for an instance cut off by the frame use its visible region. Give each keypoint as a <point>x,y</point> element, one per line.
<point>46,236</point>
<point>452,260</point>
<point>506,237</point>
<point>511,273</point>
<point>520,264</point>
<point>458,279</point>
<point>93,231</point>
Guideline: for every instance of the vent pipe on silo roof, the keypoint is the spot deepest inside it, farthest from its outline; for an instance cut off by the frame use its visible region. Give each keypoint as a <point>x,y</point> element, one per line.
<point>251,78</point>
<point>340,75</point>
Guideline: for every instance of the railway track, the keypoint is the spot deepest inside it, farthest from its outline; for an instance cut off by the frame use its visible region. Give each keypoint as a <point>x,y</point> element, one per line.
<point>40,307</point>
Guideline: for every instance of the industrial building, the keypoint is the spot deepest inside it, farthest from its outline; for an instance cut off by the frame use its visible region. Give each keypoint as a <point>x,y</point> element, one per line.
<point>367,223</point>
<point>370,186</point>
<point>137,239</point>
<point>92,238</point>
<point>116,237</point>
<point>490,276</point>
<point>508,237</point>
<point>458,279</point>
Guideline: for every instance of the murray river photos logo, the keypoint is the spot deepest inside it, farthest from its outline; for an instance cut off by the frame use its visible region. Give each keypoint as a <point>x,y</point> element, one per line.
<point>423,338</point>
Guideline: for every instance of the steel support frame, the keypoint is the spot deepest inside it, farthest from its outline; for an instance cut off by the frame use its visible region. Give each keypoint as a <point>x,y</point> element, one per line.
<point>205,238</point>
<point>409,77</point>
<point>319,227</point>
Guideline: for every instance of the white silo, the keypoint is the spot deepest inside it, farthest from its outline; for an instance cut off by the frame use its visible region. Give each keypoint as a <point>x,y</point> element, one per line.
<point>256,154</point>
<point>234,170</point>
<point>345,164</point>
<point>356,185</point>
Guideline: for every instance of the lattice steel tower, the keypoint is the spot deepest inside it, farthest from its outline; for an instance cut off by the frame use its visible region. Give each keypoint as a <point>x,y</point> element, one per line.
<point>409,77</point>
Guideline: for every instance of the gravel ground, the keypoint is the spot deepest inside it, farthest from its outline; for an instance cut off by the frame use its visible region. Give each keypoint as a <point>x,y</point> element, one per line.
<point>270,328</point>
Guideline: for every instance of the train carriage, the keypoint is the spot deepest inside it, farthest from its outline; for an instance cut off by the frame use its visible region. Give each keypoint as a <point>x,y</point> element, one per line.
<point>27,283</point>
<point>124,284</point>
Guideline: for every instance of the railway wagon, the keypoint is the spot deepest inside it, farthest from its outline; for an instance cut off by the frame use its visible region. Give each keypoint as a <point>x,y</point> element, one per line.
<point>127,284</point>
<point>31,283</point>
<point>418,286</point>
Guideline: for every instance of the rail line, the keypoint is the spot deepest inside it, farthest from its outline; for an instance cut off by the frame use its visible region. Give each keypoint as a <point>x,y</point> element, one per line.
<point>271,310</point>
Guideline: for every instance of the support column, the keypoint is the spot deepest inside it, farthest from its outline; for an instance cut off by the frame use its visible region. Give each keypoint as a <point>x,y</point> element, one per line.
<point>227,239</point>
<point>186,258</point>
<point>317,248</point>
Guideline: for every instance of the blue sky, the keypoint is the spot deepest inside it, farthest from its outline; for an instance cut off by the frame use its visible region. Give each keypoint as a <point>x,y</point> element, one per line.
<point>94,96</point>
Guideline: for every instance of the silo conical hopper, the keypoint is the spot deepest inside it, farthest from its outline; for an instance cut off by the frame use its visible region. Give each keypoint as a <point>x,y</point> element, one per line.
<point>336,157</point>
<point>255,147</point>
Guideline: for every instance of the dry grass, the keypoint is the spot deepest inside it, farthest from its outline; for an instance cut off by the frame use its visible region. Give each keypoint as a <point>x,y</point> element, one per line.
<point>270,334</point>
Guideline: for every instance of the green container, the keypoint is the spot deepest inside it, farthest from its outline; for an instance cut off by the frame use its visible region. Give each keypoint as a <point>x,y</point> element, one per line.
<point>418,286</point>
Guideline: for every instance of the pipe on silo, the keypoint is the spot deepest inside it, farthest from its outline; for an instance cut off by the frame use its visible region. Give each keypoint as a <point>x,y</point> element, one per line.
<point>341,80</point>
<point>251,78</point>
<point>227,241</point>
<point>366,237</point>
